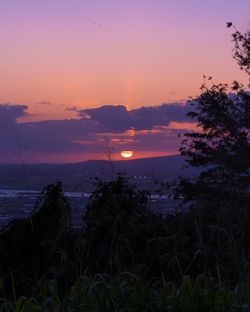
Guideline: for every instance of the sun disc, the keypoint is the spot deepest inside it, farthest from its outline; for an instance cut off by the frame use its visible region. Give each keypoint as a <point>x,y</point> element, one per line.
<point>126,154</point>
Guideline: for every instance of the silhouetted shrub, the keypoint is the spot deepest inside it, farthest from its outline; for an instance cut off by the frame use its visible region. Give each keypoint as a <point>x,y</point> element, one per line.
<point>39,244</point>
<point>121,233</point>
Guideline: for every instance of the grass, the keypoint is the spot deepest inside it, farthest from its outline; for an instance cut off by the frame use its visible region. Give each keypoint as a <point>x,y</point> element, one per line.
<point>213,240</point>
<point>127,292</point>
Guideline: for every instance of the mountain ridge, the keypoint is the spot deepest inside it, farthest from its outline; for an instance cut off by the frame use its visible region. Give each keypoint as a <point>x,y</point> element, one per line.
<point>36,176</point>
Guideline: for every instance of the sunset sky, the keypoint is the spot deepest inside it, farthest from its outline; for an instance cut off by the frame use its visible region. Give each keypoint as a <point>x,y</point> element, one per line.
<point>76,73</point>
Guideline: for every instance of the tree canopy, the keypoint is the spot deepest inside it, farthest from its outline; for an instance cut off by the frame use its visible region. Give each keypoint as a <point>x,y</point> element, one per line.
<point>221,144</point>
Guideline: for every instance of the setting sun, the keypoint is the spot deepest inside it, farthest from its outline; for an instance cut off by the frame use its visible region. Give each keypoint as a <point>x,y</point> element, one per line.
<point>126,154</point>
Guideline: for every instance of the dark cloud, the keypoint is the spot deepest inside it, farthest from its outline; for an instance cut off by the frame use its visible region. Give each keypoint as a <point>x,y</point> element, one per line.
<point>10,113</point>
<point>119,118</point>
<point>145,128</point>
<point>59,135</point>
<point>44,103</point>
<point>73,109</point>
<point>158,139</point>
<point>78,111</point>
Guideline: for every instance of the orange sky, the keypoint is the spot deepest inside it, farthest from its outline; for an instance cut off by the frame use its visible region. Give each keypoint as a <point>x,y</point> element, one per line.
<point>60,57</point>
<point>135,53</point>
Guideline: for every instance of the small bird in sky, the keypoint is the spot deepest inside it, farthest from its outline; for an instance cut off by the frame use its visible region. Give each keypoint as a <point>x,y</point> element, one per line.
<point>97,25</point>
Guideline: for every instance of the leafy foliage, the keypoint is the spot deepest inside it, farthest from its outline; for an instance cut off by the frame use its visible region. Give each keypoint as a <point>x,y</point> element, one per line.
<point>222,146</point>
<point>219,197</point>
<point>121,233</point>
<point>129,293</point>
<point>241,48</point>
<point>31,247</point>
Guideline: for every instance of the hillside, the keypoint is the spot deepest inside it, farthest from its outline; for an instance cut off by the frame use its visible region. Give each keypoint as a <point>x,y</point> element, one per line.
<point>79,175</point>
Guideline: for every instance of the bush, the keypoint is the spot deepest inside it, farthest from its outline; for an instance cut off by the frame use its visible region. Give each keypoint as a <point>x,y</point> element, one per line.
<point>121,233</point>
<point>39,244</point>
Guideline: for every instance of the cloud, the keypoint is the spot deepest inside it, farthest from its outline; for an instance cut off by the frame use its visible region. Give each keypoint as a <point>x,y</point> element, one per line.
<point>73,109</point>
<point>78,111</point>
<point>44,103</point>
<point>59,135</point>
<point>10,113</point>
<point>142,129</point>
<point>160,138</point>
<point>119,118</point>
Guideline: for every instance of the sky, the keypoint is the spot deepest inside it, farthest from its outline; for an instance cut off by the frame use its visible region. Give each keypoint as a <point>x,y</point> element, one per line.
<point>80,75</point>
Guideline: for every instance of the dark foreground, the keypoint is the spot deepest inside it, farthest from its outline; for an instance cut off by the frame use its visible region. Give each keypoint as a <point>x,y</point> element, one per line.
<point>125,257</point>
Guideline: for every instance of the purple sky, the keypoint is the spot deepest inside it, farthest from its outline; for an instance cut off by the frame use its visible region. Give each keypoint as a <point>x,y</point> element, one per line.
<point>62,54</point>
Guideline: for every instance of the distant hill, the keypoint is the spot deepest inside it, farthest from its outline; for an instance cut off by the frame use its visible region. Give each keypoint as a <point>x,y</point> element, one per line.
<point>165,166</point>
<point>36,176</point>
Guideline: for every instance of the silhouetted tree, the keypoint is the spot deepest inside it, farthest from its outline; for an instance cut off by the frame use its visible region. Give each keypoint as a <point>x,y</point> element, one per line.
<point>241,48</point>
<point>222,144</point>
<point>121,233</point>
<point>38,245</point>
<point>218,222</point>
